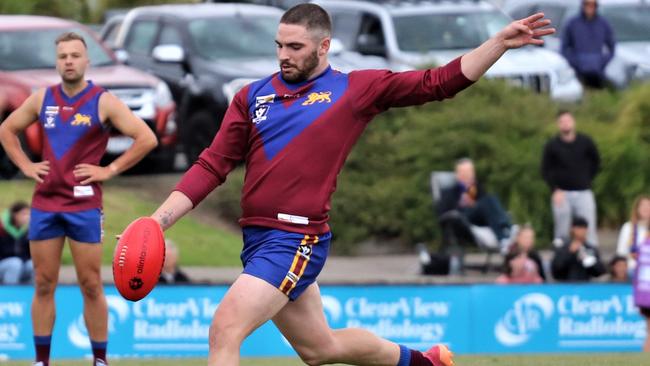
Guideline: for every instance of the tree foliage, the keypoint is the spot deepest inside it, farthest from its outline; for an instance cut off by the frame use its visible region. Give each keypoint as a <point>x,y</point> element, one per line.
<point>383,192</point>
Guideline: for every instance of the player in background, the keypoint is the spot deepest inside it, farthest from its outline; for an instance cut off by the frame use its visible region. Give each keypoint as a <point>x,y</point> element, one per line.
<point>75,117</point>
<point>294,129</point>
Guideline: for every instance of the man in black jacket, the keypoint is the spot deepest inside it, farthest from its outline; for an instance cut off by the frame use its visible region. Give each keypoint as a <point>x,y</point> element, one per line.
<point>569,165</point>
<point>577,259</point>
<point>468,197</point>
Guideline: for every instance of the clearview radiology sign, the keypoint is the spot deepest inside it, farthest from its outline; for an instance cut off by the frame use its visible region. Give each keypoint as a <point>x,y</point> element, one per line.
<point>557,318</point>
<point>175,321</point>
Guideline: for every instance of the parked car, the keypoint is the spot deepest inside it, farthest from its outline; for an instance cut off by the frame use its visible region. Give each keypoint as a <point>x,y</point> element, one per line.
<point>27,62</point>
<point>206,53</point>
<point>421,33</point>
<point>630,20</point>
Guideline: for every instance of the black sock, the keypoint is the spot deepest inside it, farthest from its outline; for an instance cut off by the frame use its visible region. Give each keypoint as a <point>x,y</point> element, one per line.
<point>42,345</point>
<point>99,350</point>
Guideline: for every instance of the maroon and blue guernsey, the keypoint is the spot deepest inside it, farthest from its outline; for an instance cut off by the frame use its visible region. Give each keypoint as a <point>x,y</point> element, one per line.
<point>72,134</point>
<point>296,137</point>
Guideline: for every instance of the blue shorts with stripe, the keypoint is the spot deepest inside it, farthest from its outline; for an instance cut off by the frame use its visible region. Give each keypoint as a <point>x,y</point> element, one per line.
<point>83,226</point>
<point>289,261</point>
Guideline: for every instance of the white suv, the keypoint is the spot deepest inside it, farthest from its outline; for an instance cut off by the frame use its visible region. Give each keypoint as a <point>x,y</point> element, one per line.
<point>630,20</point>
<point>421,33</point>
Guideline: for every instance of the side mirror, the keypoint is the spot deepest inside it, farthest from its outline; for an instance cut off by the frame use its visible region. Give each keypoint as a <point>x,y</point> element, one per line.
<point>168,53</point>
<point>121,55</point>
<point>336,46</point>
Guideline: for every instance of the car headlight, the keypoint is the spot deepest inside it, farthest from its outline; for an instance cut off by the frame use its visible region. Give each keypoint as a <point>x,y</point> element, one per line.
<point>232,87</point>
<point>565,75</point>
<point>162,95</point>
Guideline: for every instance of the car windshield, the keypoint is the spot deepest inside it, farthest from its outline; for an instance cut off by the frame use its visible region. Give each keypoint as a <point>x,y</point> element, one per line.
<point>238,37</point>
<point>35,49</point>
<point>446,31</point>
<point>630,23</point>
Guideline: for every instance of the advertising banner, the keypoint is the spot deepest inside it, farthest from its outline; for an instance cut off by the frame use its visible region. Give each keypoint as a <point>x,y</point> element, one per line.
<point>556,318</point>
<point>174,321</point>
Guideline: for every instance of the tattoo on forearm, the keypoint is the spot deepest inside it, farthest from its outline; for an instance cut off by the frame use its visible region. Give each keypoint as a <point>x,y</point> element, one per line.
<point>166,218</point>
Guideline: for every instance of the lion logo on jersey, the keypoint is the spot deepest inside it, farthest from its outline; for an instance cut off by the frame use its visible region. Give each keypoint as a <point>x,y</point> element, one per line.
<point>81,119</point>
<point>320,97</point>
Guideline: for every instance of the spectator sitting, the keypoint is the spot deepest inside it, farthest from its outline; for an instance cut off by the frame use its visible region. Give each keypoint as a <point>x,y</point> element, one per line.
<point>577,259</point>
<point>481,209</point>
<point>634,232</point>
<point>171,273</point>
<point>524,243</point>
<point>618,271</point>
<point>15,261</point>
<point>588,44</point>
<point>519,268</point>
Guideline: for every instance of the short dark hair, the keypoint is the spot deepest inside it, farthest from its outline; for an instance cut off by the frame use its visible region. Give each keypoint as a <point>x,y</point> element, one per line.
<point>617,258</point>
<point>579,222</point>
<point>15,208</point>
<point>70,36</point>
<point>562,112</point>
<point>311,16</point>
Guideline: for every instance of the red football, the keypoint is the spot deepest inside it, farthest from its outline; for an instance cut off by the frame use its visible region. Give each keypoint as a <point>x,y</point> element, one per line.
<point>138,258</point>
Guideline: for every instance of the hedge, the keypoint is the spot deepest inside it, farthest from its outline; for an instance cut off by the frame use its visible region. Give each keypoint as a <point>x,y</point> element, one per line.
<point>384,194</point>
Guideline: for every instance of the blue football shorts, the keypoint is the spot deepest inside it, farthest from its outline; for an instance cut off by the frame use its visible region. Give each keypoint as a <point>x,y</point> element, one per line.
<point>83,226</point>
<point>288,261</point>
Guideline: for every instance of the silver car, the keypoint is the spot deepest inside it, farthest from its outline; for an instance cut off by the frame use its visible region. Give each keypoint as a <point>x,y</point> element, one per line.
<point>630,20</point>
<point>420,33</point>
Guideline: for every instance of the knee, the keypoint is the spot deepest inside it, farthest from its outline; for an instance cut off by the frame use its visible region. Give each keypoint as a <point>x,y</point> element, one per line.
<point>91,288</point>
<point>311,358</point>
<point>224,332</point>
<point>323,354</point>
<point>44,285</point>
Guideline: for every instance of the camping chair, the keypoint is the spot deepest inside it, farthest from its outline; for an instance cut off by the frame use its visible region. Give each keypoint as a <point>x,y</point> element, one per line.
<point>457,231</point>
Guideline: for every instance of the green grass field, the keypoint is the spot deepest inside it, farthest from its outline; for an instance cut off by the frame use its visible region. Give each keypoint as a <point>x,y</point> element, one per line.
<point>610,359</point>
<point>200,244</point>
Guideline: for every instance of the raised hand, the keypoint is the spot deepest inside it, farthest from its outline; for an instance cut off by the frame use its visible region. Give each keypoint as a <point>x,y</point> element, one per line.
<point>526,31</point>
<point>37,171</point>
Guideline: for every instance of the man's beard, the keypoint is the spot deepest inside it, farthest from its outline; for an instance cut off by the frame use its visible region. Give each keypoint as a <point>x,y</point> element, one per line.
<point>302,74</point>
<point>75,79</point>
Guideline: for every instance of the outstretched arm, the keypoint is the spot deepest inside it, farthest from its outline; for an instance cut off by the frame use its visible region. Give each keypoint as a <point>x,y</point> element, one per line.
<point>517,34</point>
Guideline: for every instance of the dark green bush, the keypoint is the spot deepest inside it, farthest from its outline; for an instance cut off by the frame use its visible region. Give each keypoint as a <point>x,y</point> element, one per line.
<point>383,191</point>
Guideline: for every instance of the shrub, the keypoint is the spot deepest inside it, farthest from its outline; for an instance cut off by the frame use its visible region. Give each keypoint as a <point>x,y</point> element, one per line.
<point>383,191</point>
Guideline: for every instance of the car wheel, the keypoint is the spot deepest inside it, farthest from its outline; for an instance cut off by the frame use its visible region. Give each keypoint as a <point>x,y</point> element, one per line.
<point>198,133</point>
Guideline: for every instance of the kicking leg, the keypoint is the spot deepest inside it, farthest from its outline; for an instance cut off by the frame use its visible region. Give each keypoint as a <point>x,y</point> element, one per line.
<point>248,304</point>
<point>304,325</point>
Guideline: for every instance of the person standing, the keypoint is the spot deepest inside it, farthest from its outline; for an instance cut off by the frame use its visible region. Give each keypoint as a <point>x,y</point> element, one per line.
<point>570,162</point>
<point>75,116</point>
<point>588,44</point>
<point>294,129</point>
<point>634,232</point>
